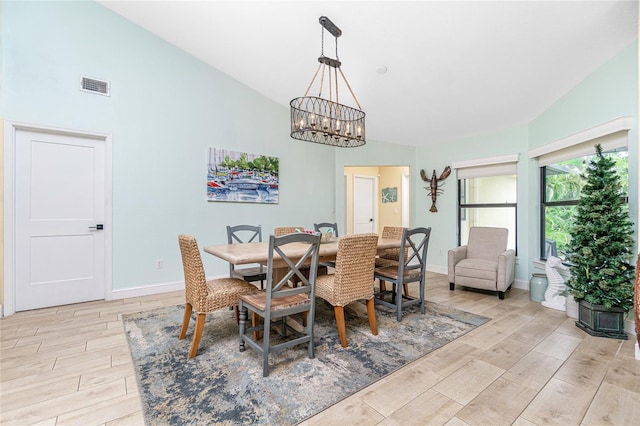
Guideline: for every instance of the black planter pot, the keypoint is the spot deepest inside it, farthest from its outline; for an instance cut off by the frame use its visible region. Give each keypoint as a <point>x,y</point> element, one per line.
<point>600,321</point>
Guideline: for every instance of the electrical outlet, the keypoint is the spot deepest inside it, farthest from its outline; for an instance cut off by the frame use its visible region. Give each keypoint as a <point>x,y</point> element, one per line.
<point>159,264</point>
<point>440,252</point>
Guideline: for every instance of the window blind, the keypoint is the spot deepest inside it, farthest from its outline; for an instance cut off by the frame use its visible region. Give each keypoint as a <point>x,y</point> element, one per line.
<point>485,167</point>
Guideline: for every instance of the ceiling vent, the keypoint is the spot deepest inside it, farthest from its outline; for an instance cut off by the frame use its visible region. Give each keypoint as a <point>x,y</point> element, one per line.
<point>92,85</point>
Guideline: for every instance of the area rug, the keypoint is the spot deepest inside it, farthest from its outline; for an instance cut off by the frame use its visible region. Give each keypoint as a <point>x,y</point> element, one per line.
<point>224,386</point>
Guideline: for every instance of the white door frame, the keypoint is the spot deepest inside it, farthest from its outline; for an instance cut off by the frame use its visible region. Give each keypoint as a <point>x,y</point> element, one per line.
<point>406,201</point>
<point>10,129</point>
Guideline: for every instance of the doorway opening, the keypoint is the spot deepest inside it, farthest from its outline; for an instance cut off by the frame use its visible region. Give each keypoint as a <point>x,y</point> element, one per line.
<point>376,196</point>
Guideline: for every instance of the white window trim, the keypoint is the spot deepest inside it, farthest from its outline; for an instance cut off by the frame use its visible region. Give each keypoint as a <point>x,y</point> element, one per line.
<point>485,167</point>
<point>611,135</point>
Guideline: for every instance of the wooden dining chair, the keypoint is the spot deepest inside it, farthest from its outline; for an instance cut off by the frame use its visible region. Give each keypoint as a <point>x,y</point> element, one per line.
<point>284,230</point>
<point>325,227</point>
<point>280,300</point>
<point>204,296</point>
<point>246,234</point>
<point>412,267</point>
<point>352,280</point>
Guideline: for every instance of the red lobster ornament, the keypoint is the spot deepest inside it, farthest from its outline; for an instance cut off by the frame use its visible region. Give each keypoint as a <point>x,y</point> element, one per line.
<point>434,185</point>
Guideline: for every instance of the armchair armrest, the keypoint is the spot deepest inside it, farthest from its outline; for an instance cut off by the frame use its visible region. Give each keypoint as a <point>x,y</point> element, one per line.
<point>506,269</point>
<point>454,256</point>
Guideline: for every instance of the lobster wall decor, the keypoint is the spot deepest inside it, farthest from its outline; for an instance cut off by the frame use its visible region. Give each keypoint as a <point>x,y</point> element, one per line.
<point>434,185</point>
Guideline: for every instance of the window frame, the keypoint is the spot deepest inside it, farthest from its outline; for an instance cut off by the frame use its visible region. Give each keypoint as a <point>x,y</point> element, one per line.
<point>462,206</point>
<point>544,204</point>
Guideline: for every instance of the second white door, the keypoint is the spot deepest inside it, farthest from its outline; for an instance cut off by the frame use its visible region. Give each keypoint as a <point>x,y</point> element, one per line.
<point>364,220</point>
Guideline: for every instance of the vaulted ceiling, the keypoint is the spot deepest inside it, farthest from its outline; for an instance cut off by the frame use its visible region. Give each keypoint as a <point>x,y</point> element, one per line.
<point>453,68</point>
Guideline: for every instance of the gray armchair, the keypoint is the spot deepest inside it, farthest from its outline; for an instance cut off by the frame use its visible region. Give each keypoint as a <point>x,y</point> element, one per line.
<point>484,263</point>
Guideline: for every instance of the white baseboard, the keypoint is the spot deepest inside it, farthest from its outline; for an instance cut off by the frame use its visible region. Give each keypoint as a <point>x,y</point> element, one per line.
<point>523,285</point>
<point>1,311</point>
<point>148,290</point>
<point>438,269</point>
<point>152,289</point>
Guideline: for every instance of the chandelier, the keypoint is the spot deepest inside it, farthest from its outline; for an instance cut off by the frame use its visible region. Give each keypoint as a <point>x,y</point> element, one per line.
<point>327,121</point>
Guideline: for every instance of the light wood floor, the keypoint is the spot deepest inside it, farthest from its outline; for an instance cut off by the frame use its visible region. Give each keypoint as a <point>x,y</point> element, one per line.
<point>528,366</point>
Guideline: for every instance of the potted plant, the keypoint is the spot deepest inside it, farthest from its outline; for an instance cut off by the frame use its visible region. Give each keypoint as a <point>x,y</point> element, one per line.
<point>602,272</point>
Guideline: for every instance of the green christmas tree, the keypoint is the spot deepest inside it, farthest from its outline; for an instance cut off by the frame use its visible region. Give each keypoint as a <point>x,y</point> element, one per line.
<point>602,239</point>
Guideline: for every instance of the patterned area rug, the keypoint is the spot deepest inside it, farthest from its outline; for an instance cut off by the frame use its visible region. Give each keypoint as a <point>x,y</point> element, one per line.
<point>223,386</point>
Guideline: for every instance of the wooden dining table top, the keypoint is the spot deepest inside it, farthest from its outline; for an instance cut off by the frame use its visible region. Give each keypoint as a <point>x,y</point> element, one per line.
<point>246,253</point>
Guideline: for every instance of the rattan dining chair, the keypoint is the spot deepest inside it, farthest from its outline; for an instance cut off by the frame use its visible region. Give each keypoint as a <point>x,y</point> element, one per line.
<point>284,230</point>
<point>280,300</point>
<point>246,234</point>
<point>412,267</point>
<point>204,296</point>
<point>352,280</point>
<point>390,257</point>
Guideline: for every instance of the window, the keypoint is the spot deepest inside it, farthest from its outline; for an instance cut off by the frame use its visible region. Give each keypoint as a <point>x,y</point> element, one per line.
<point>487,196</point>
<point>561,185</point>
<point>561,162</point>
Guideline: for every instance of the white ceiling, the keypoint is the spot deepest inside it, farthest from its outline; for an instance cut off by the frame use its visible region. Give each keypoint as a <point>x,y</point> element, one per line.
<point>455,68</point>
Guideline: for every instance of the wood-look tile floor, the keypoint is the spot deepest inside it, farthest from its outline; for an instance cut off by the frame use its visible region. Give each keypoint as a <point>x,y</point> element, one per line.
<point>529,365</point>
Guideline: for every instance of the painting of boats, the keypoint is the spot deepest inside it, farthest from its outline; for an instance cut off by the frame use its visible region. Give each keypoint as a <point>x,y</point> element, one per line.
<point>242,177</point>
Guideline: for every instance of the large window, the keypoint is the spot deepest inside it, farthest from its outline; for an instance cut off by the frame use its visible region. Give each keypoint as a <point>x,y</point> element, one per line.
<point>488,201</point>
<point>560,190</point>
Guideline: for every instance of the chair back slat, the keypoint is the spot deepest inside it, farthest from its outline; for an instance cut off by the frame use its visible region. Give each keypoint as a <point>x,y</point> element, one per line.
<point>244,234</point>
<point>325,227</point>
<point>277,247</point>
<point>413,250</point>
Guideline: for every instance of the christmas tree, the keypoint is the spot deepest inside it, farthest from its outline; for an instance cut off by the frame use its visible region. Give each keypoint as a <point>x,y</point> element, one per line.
<point>602,239</point>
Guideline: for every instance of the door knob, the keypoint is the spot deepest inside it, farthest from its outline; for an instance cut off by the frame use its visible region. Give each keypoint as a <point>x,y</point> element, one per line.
<point>98,227</point>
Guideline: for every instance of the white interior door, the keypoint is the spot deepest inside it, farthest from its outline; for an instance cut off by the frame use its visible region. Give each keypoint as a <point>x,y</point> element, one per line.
<point>364,198</point>
<point>59,213</point>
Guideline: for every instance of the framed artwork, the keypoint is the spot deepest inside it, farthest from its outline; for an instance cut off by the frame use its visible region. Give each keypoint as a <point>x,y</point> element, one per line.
<point>242,177</point>
<point>390,195</point>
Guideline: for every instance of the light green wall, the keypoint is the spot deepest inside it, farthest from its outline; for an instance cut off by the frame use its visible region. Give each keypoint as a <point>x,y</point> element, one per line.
<point>166,108</point>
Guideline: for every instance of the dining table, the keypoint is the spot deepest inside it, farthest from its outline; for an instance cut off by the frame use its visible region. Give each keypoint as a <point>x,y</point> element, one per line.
<point>258,252</point>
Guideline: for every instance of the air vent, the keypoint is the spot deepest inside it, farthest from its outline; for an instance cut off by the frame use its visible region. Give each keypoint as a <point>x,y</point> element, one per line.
<point>92,85</point>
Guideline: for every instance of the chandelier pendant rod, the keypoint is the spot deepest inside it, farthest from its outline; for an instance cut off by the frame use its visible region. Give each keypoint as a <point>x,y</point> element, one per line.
<point>312,80</point>
<point>321,81</point>
<point>349,87</point>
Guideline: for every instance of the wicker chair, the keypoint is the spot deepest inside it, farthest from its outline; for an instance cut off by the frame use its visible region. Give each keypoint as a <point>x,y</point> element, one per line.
<point>281,301</point>
<point>284,230</point>
<point>202,295</point>
<point>412,267</point>
<point>246,234</point>
<point>389,257</point>
<point>353,279</point>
